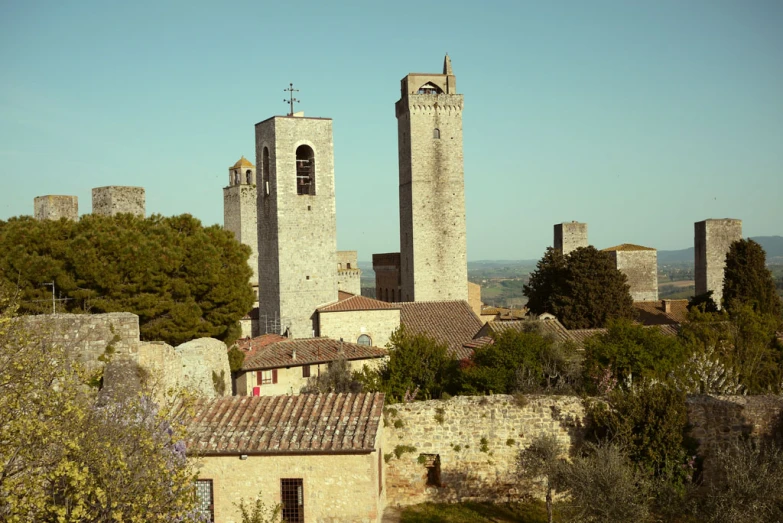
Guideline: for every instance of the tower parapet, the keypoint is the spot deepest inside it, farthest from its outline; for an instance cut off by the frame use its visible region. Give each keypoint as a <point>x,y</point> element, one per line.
<point>569,236</point>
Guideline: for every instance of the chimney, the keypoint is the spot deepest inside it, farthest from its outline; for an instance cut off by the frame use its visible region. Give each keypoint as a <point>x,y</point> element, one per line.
<point>667,306</point>
<point>293,354</point>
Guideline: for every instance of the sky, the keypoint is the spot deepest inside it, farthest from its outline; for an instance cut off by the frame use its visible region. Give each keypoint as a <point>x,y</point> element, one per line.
<point>638,118</point>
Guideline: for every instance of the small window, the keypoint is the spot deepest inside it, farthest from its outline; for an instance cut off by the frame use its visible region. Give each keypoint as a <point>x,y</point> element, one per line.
<point>249,176</point>
<point>265,171</point>
<point>432,464</point>
<point>266,377</point>
<point>436,134</point>
<point>204,503</point>
<point>306,371</point>
<point>292,498</point>
<point>305,170</point>
<point>364,340</point>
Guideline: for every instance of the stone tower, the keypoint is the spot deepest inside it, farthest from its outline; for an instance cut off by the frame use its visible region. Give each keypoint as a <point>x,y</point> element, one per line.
<point>297,230</point>
<point>640,266</point>
<point>113,200</point>
<point>712,239</point>
<point>433,260</point>
<point>570,236</point>
<point>239,210</point>
<point>54,207</point>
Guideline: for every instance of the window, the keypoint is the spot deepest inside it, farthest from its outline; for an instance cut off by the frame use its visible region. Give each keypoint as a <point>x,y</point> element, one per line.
<point>436,134</point>
<point>392,295</point>
<point>265,171</point>
<point>249,176</point>
<point>305,170</point>
<point>349,265</point>
<point>292,498</point>
<point>306,371</point>
<point>204,503</point>
<point>364,340</point>
<point>266,377</point>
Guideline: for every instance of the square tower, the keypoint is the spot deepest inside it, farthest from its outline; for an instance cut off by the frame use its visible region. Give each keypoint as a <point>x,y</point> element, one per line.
<point>349,275</point>
<point>239,210</point>
<point>113,200</point>
<point>297,230</point>
<point>640,266</point>
<point>712,239</point>
<point>54,207</point>
<point>570,236</point>
<point>432,189</point>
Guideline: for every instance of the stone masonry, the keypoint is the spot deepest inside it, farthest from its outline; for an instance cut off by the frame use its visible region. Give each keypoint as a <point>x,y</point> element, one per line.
<point>297,232</point>
<point>712,239</point>
<point>640,266</point>
<point>432,190</point>
<point>239,210</point>
<point>570,236</point>
<point>113,200</point>
<point>54,207</point>
<point>387,276</point>
<point>349,276</point>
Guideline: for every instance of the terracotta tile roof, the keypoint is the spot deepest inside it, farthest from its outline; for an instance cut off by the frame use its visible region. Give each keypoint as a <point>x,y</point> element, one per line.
<point>354,302</point>
<point>342,295</point>
<point>652,312</point>
<point>301,424</point>
<point>250,345</point>
<point>449,322</point>
<point>308,351</point>
<point>243,162</point>
<point>579,336</point>
<point>628,247</point>
<point>552,327</point>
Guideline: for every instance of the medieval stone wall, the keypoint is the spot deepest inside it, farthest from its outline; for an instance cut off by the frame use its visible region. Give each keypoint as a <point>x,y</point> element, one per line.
<point>349,325</point>
<point>641,269</point>
<point>113,200</point>
<point>570,236</point>
<point>387,276</point>
<point>712,239</point>
<point>54,207</point>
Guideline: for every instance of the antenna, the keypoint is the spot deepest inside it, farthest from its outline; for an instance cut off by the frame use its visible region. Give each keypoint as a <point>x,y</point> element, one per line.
<point>290,90</point>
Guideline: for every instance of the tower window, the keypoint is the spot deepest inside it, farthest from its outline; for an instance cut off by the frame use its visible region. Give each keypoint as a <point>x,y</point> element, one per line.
<point>305,170</point>
<point>249,176</point>
<point>429,88</point>
<point>236,178</point>
<point>436,133</point>
<point>265,171</point>
<point>364,340</point>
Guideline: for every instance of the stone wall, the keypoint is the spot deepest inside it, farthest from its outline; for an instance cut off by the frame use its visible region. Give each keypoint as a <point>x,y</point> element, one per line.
<point>239,217</point>
<point>349,325</point>
<point>387,276</point>
<point>113,200</point>
<point>570,236</point>
<point>54,207</point>
<point>477,440</point>
<point>640,267</point>
<point>712,239</point>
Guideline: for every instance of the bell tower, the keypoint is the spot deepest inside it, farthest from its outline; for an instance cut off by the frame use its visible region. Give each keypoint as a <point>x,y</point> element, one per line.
<point>239,210</point>
<point>433,258</point>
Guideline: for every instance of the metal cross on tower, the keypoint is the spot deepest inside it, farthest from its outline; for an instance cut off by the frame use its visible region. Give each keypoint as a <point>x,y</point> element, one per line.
<point>291,98</point>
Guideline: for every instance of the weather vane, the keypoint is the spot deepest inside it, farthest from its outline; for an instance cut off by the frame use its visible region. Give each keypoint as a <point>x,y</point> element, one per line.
<point>291,98</point>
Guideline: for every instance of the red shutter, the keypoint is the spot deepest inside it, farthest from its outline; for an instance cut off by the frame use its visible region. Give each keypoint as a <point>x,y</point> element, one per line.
<point>259,377</point>
<point>274,375</point>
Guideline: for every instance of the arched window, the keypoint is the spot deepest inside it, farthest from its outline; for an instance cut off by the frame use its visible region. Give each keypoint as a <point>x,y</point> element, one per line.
<point>364,340</point>
<point>265,171</point>
<point>249,176</point>
<point>429,88</point>
<point>236,178</point>
<point>436,133</point>
<point>305,170</point>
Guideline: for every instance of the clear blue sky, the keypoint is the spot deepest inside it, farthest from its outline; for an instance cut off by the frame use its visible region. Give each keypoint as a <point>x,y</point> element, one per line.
<point>638,118</point>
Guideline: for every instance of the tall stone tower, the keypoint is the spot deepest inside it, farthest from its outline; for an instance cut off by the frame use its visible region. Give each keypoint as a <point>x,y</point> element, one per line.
<point>432,190</point>
<point>712,239</point>
<point>297,230</point>
<point>239,210</point>
<point>570,236</point>
<point>114,199</point>
<point>54,207</point>
<point>640,266</point>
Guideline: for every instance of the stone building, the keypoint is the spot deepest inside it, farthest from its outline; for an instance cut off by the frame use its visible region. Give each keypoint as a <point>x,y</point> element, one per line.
<point>319,455</point>
<point>349,276</point>
<point>712,239</point>
<point>570,236</point>
<point>640,266</point>
<point>54,207</point>
<point>239,210</point>
<point>297,230</point>
<point>388,286</point>
<point>114,199</point>
<point>432,191</point>
<point>359,319</point>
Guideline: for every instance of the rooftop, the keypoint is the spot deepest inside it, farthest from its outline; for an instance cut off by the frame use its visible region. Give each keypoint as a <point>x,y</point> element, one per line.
<point>449,322</point>
<point>305,351</point>
<point>353,302</point>
<point>653,312</point>
<point>243,162</point>
<point>628,247</point>
<point>301,424</point>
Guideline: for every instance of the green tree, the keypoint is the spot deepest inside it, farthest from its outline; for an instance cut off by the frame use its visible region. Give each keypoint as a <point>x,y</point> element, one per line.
<point>182,279</point>
<point>543,459</point>
<point>337,378</point>
<point>258,512</point>
<point>748,281</point>
<point>583,289</point>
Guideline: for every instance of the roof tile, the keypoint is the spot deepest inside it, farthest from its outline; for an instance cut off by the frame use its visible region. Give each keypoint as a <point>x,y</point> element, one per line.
<point>449,322</point>
<point>280,352</point>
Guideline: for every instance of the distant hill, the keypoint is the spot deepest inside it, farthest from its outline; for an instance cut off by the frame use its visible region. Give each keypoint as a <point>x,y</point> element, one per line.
<point>773,245</point>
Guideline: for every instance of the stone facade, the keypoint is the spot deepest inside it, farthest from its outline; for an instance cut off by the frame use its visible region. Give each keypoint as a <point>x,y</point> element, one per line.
<point>640,266</point>
<point>349,325</point>
<point>476,440</point>
<point>239,210</point>
<point>113,200</point>
<point>474,297</point>
<point>199,360</point>
<point>432,190</point>
<point>712,239</point>
<point>54,207</point>
<point>570,236</point>
<point>349,276</point>
<point>297,231</point>
<point>388,284</point>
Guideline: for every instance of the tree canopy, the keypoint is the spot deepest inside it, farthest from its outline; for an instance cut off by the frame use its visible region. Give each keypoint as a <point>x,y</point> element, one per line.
<point>182,279</point>
<point>582,289</point>
<point>747,280</point>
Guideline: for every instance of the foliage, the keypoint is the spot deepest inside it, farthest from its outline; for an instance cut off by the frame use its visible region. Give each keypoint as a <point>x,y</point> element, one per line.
<point>705,373</point>
<point>472,512</point>
<point>604,485</point>
<point>582,289</point>
<point>703,302</point>
<point>417,364</point>
<point>182,279</point>
<point>633,352</point>
<point>399,450</point>
<point>748,281</point>
<point>219,382</point>
<point>649,422</point>
<point>235,359</point>
<point>66,457</point>
<point>337,378</point>
<point>748,486</point>
<point>257,512</point>
<point>542,459</point>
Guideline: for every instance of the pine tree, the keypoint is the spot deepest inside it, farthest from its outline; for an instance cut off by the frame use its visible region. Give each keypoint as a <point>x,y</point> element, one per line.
<point>747,280</point>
